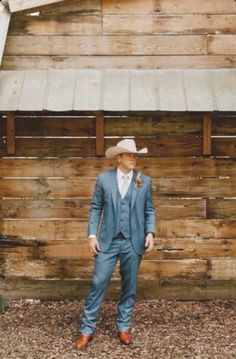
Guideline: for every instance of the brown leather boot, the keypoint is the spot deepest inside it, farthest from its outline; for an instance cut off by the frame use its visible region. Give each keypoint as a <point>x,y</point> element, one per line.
<point>83,340</point>
<point>125,337</point>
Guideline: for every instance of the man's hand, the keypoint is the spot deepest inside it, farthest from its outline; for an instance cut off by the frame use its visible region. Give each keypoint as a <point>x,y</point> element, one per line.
<point>94,246</point>
<point>149,242</point>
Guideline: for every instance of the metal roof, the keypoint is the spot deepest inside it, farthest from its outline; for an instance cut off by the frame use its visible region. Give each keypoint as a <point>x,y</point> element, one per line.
<point>118,90</point>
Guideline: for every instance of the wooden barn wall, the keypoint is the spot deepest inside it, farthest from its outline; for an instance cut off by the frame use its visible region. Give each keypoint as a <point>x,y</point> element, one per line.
<point>46,188</point>
<point>124,34</point>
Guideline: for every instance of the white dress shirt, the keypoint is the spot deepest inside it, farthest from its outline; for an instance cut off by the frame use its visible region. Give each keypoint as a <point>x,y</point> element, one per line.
<point>120,179</point>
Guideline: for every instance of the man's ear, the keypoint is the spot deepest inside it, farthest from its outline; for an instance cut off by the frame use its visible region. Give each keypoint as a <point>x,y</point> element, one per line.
<point>118,158</point>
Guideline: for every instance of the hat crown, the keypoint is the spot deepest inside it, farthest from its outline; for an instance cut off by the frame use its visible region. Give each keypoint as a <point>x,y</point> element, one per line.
<point>123,146</point>
<point>128,144</point>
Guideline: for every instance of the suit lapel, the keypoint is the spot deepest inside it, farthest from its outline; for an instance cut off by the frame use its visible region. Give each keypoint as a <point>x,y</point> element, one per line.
<point>114,188</point>
<point>134,190</point>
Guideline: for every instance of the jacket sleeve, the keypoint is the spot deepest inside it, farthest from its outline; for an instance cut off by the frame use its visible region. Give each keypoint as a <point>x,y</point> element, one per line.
<point>150,218</point>
<point>95,208</point>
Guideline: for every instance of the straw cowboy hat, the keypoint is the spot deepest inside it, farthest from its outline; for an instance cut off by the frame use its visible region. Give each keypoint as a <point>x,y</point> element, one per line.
<point>124,146</point>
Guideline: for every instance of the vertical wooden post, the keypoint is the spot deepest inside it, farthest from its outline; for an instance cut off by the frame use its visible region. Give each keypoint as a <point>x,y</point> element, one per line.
<point>99,133</point>
<point>10,133</point>
<point>206,138</point>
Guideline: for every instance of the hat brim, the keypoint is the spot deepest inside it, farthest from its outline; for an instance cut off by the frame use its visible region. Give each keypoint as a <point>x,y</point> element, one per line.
<point>113,151</point>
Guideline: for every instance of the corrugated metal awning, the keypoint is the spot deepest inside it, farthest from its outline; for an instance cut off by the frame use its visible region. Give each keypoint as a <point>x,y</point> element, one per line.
<point>118,90</point>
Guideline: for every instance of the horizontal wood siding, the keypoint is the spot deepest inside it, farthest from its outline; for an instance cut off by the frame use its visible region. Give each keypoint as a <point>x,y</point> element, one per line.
<point>46,186</point>
<point>46,189</point>
<point>121,34</point>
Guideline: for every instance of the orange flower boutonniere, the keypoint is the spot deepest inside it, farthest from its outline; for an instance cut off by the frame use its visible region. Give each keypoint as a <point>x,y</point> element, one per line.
<point>138,180</point>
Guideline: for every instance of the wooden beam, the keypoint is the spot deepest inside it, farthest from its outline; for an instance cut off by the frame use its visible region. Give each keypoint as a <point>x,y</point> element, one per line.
<point>10,133</point>
<point>5,17</point>
<point>19,5</point>
<point>206,138</point>
<point>99,133</point>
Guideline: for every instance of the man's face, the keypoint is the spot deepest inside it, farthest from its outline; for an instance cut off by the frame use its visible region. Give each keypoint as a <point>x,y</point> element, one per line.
<point>127,161</point>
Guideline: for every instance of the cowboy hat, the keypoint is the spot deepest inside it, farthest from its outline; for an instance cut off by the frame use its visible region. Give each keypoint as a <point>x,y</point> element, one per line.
<point>124,146</point>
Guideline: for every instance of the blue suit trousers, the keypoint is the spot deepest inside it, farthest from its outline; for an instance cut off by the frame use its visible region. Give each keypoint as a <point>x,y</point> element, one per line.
<point>120,249</point>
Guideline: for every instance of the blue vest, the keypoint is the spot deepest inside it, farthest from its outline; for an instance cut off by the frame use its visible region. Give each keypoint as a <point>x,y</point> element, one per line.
<point>123,212</point>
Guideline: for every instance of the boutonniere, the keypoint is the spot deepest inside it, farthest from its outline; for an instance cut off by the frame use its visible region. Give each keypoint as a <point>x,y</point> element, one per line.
<point>138,180</point>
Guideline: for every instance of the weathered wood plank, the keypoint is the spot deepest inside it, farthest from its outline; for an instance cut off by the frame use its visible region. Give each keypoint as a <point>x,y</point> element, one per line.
<point>165,248</point>
<point>179,208</point>
<point>82,269</point>
<point>153,166</point>
<point>76,7</point>
<point>223,269</point>
<point>5,17</point>
<point>224,146</point>
<point>74,229</point>
<point>19,5</point>
<point>221,208</point>
<point>56,24</point>
<point>62,147</point>
<point>59,126</point>
<point>169,7</point>
<point>155,124</point>
<point>171,24</point>
<point>44,229</point>
<point>221,44</point>
<point>205,228</point>
<point>113,62</point>
<point>195,247</point>
<point>183,268</point>
<point>65,209</point>
<point>125,7</point>
<point>42,269</point>
<point>46,188</point>
<point>107,45</point>
<point>149,269</point>
<point>147,289</point>
<point>79,208</point>
<point>224,125</point>
<point>39,147</point>
<point>194,187</point>
<point>202,6</point>
<point>83,186</point>
<point>44,289</point>
<point>17,248</point>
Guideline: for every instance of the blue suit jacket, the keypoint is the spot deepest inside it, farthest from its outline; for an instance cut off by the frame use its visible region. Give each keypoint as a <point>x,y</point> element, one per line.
<point>102,214</point>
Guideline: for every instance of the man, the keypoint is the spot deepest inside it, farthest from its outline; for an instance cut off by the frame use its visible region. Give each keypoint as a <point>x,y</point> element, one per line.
<point>121,226</point>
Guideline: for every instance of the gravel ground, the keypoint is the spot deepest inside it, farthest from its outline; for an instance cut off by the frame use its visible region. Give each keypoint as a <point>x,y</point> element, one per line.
<point>162,329</point>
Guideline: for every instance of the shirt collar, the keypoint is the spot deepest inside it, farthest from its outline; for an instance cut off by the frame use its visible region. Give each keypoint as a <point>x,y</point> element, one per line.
<point>120,173</point>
